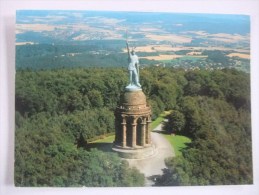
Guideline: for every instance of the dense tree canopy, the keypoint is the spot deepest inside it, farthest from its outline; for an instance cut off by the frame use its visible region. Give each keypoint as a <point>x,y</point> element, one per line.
<point>58,112</point>
<point>217,119</point>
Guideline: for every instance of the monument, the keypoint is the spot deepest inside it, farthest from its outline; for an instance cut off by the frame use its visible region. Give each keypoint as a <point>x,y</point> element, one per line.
<point>133,117</point>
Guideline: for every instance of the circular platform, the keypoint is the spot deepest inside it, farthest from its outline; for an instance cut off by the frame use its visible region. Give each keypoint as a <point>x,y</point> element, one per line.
<point>136,153</point>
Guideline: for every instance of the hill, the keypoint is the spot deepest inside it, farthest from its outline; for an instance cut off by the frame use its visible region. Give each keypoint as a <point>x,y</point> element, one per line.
<point>58,112</point>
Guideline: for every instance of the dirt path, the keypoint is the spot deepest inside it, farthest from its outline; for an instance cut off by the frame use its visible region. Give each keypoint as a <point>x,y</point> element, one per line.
<point>153,165</point>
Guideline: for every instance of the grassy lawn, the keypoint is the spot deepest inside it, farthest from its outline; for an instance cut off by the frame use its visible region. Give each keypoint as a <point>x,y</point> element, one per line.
<point>159,119</point>
<point>178,142</point>
<point>108,139</point>
<point>105,144</point>
<point>154,124</point>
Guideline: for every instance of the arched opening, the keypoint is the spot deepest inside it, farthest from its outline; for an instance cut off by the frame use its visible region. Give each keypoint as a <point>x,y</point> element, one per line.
<point>129,132</point>
<point>118,130</point>
<point>148,139</point>
<point>139,134</point>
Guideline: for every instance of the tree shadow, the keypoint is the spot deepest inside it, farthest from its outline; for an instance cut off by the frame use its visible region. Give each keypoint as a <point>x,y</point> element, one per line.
<point>105,147</point>
<point>154,178</point>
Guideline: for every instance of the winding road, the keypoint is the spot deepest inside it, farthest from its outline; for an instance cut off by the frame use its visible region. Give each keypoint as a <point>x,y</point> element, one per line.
<point>153,165</point>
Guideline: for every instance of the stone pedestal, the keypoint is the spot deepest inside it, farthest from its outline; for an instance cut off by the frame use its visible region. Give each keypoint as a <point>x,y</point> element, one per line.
<point>132,125</point>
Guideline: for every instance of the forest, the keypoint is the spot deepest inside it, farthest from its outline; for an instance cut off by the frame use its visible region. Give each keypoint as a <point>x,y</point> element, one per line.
<point>89,54</point>
<point>59,111</point>
<point>107,53</point>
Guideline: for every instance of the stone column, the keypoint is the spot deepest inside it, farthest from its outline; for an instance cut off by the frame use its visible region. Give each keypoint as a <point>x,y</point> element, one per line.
<point>143,133</point>
<point>148,136</point>
<point>124,135</point>
<point>134,133</point>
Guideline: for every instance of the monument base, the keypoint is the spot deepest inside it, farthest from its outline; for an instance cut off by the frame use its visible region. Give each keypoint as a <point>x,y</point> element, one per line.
<point>133,88</point>
<point>136,153</point>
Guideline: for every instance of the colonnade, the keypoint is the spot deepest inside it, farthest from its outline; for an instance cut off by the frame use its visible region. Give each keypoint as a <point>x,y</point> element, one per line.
<point>133,131</point>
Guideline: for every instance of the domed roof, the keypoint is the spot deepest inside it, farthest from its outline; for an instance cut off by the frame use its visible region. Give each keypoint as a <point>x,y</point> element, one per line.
<point>132,98</point>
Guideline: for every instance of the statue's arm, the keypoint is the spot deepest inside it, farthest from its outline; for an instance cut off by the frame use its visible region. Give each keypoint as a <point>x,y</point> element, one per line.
<point>128,48</point>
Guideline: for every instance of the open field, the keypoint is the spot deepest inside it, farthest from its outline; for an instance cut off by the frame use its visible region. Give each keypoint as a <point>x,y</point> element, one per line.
<point>86,32</point>
<point>150,29</point>
<point>172,57</point>
<point>162,57</point>
<point>229,38</point>
<point>194,50</point>
<point>153,48</point>
<point>171,37</point>
<point>241,55</point>
<point>20,28</point>
<point>192,58</point>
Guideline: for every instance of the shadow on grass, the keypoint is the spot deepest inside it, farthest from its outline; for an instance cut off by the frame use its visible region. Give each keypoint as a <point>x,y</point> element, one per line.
<point>105,147</point>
